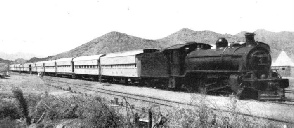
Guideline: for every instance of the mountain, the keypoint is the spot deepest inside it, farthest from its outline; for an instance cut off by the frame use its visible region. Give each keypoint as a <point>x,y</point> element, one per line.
<point>36,59</point>
<point>16,55</point>
<point>116,42</point>
<point>188,35</point>
<point>278,41</point>
<point>5,61</point>
<point>108,43</point>
<point>20,61</point>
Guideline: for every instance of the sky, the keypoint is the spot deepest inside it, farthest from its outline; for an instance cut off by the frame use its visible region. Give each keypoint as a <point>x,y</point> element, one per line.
<point>49,27</point>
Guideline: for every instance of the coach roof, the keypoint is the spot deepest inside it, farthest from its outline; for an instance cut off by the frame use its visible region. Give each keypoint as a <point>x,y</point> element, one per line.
<point>64,59</point>
<point>125,53</point>
<point>93,57</point>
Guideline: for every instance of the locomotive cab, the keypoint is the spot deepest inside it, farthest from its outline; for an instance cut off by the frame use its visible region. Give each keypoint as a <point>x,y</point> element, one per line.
<point>177,54</point>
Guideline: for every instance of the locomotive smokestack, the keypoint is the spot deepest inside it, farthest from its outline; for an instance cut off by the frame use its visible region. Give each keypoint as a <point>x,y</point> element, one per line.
<point>250,39</point>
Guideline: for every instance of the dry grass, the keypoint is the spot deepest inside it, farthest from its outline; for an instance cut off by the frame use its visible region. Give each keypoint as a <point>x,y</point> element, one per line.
<point>203,116</point>
<point>48,111</point>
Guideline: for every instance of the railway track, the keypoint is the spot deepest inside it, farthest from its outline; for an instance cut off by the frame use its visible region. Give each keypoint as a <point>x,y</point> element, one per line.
<point>288,101</point>
<point>86,87</point>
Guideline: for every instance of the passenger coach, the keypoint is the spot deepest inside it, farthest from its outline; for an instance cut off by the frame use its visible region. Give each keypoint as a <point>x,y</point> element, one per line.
<point>122,66</point>
<point>64,67</point>
<point>87,67</point>
<point>49,68</point>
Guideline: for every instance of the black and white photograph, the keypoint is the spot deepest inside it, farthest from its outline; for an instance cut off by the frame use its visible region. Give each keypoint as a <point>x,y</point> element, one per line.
<point>146,64</point>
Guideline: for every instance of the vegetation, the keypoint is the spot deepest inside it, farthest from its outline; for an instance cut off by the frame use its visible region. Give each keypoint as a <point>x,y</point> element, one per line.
<point>205,117</point>
<point>46,111</point>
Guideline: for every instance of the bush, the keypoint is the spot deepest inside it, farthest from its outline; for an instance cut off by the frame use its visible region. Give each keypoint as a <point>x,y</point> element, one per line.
<point>23,106</point>
<point>8,109</point>
<point>202,117</point>
<point>7,123</point>
<point>44,109</point>
<point>93,111</point>
<point>100,115</point>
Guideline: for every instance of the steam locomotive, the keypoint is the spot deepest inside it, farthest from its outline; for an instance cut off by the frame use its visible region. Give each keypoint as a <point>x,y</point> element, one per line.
<point>242,69</point>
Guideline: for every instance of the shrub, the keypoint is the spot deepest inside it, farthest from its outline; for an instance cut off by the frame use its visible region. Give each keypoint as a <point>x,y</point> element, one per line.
<point>8,109</point>
<point>202,116</point>
<point>22,104</point>
<point>92,110</point>
<point>7,123</point>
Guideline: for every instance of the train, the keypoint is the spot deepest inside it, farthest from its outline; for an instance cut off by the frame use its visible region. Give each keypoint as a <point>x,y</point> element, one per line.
<point>242,69</point>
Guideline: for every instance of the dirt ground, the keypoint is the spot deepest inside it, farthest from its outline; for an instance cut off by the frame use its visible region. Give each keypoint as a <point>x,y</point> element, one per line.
<point>33,84</point>
<point>251,107</point>
<point>29,84</point>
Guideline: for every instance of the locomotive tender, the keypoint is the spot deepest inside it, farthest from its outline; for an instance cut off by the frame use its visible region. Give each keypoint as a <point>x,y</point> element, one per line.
<point>242,69</point>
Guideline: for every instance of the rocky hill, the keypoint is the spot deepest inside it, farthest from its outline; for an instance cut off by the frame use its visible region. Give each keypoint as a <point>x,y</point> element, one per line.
<point>116,42</point>
<point>20,61</point>
<point>14,56</point>
<point>187,35</point>
<point>5,61</point>
<point>36,59</point>
<point>278,41</point>
<point>108,43</point>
